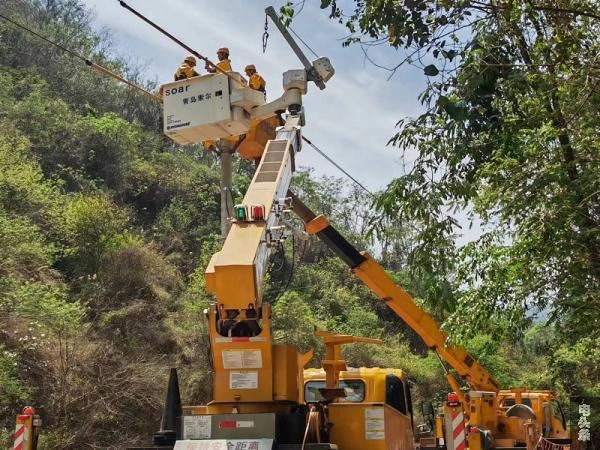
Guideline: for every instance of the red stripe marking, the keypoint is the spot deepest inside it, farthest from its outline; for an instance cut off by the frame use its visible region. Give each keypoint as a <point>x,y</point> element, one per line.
<point>19,447</point>
<point>240,339</point>
<point>460,428</point>
<point>227,424</point>
<point>455,414</point>
<point>19,432</point>
<point>460,446</point>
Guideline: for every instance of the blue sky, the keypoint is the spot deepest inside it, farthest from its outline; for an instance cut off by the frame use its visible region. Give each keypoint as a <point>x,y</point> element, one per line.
<point>351,120</point>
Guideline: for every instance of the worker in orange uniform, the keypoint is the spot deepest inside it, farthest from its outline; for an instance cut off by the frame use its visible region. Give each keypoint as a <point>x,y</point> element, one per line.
<point>186,70</point>
<point>224,63</point>
<point>255,81</point>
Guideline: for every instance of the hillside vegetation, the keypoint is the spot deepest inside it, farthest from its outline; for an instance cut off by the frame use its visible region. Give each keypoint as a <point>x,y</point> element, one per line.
<point>106,227</point>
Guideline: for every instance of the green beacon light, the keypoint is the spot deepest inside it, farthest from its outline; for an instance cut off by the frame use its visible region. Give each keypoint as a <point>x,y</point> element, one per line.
<point>241,212</point>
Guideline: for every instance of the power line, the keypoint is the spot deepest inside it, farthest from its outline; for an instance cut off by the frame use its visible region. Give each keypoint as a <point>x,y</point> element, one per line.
<point>64,49</point>
<point>324,155</point>
<point>89,63</point>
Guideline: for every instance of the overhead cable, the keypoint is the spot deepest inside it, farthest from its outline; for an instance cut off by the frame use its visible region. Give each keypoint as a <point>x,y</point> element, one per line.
<point>64,49</point>
<point>91,64</point>
<point>341,169</point>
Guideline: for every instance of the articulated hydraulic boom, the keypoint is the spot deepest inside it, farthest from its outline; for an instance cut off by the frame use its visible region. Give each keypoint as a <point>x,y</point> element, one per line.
<point>235,274</point>
<point>375,277</point>
<point>510,418</point>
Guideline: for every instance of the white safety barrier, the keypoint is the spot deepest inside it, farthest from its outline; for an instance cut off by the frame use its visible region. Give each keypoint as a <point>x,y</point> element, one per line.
<point>19,441</point>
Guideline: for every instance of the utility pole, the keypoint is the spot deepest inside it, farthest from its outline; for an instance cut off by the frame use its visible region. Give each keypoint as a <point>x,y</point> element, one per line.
<point>225,158</point>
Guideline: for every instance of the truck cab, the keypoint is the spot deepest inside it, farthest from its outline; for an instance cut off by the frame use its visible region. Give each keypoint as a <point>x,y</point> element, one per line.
<point>376,412</point>
<point>544,406</point>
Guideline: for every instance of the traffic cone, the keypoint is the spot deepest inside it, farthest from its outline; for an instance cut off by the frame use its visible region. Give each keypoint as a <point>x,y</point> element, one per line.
<point>171,418</point>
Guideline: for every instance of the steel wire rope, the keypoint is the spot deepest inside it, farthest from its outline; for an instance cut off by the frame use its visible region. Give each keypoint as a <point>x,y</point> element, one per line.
<point>279,292</point>
<point>265,36</point>
<point>340,168</point>
<point>292,268</point>
<point>302,40</point>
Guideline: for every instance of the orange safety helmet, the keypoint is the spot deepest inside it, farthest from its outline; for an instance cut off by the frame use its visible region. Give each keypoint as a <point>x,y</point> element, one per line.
<point>190,60</point>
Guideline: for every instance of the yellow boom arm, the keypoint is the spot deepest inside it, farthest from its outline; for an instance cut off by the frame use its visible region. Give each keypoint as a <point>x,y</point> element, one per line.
<point>235,274</point>
<point>248,367</point>
<point>397,299</point>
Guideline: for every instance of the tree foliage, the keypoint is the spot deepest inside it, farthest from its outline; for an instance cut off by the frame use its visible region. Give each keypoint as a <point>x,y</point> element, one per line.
<point>509,135</point>
<point>507,140</point>
<point>106,228</point>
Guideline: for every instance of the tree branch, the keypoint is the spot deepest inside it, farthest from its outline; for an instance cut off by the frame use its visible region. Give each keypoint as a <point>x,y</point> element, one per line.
<point>566,10</point>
